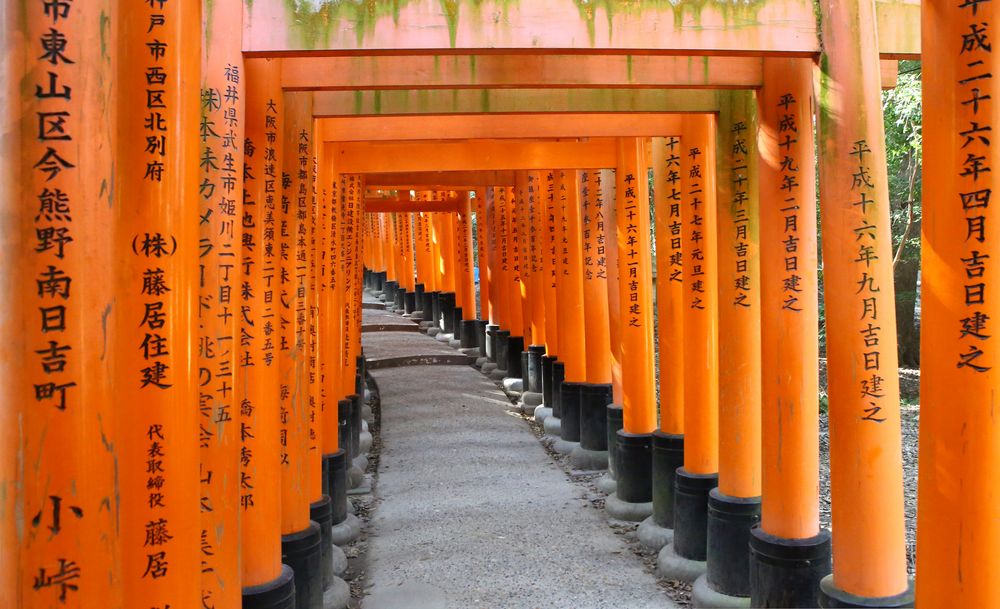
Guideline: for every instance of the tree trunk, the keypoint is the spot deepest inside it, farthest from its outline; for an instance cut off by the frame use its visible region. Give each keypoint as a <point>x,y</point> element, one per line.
<point>906,298</point>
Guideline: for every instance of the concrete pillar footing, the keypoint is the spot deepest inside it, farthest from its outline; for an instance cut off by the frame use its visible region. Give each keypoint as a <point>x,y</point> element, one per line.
<point>498,375</point>
<point>339,559</point>
<point>626,510</point>
<point>607,484</point>
<point>513,385</point>
<point>427,324</point>
<point>652,536</point>
<point>672,566</point>
<point>354,476</point>
<point>470,351</point>
<point>542,412</point>
<point>434,331</point>
<point>702,595</point>
<point>589,460</point>
<point>347,531</point>
<point>338,595</point>
<point>444,337</point>
<point>531,399</point>
<point>457,344</point>
<point>553,426</point>
<point>481,362</point>
<point>365,441</point>
<point>564,447</point>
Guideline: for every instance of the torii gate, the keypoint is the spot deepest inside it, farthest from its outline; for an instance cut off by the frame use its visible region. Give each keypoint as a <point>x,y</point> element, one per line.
<point>129,459</point>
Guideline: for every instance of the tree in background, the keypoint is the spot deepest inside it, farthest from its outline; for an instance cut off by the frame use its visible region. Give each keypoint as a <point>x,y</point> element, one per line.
<point>902,115</point>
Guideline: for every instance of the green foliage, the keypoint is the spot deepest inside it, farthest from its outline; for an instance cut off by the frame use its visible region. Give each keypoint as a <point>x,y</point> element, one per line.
<point>901,110</point>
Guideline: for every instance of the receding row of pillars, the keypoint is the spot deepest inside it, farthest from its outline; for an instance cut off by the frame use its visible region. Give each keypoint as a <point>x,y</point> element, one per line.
<point>182,275</point>
<point>723,471</point>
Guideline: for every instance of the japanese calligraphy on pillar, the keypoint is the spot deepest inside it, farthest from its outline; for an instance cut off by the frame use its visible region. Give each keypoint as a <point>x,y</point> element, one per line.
<point>629,249</point>
<point>738,175</point>
<point>595,261</point>
<point>563,229</point>
<point>55,571</point>
<point>696,228</point>
<point>221,192</point>
<point>675,249</point>
<point>975,181</point>
<point>534,260</point>
<point>788,150</point>
<point>870,331</point>
<point>503,215</point>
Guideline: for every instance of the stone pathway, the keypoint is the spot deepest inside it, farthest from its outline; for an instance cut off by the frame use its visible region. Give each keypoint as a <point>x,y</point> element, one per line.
<point>471,512</point>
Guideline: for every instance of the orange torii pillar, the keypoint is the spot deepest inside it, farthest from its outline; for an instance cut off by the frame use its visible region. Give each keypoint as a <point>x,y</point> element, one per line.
<point>336,407</point>
<point>549,266</point>
<point>328,334</point>
<point>959,436</point>
<point>389,251</point>
<point>448,261</point>
<point>408,271</point>
<point>684,557</point>
<point>498,280</point>
<point>486,297</point>
<point>221,210</point>
<point>668,441</point>
<point>439,237</point>
<point>789,534</point>
<point>531,358</point>
<point>733,507</point>
<point>156,250</point>
<point>587,245</point>
<point>352,368</point>
<point>633,496</point>
<point>866,470</point>
<point>571,365</point>
<point>59,449</point>
<point>301,538</point>
<point>553,377</point>
<point>520,324</point>
<point>518,343</point>
<point>465,313</point>
<point>425,271</point>
<point>616,422</point>
<point>511,322</point>
<point>378,253</point>
<point>263,574</point>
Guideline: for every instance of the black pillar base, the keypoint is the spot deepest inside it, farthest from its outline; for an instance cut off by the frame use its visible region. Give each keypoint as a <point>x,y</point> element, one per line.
<point>481,336</point>
<point>533,369</point>
<point>467,333</point>
<point>381,279</point>
<point>391,287</point>
<point>558,376</point>
<point>344,426</point>
<point>320,513</point>
<point>547,363</point>
<point>335,465</point>
<point>515,346</point>
<point>830,597</point>
<point>492,342</point>
<point>357,403</point>
<point>448,312</point>
<point>301,551</point>
<point>691,513</point>
<point>409,302</point>
<point>729,522</point>
<point>427,305</point>
<point>594,400</point>
<point>634,467</point>
<point>398,298</point>
<point>569,402</point>
<point>436,308</point>
<point>502,353</point>
<point>616,421</point>
<point>457,317</point>
<point>787,572</point>
<point>668,455</point>
<point>418,290</point>
<point>278,593</point>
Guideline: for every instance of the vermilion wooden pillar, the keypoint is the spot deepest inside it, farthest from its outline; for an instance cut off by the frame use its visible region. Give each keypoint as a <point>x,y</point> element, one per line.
<point>668,440</point>
<point>257,371</point>
<point>156,248</point>
<point>222,141</point>
<point>701,334</point>
<point>866,470</point>
<point>635,331</point>
<point>789,528</point>
<point>482,257</point>
<point>59,542</point>
<point>957,528</point>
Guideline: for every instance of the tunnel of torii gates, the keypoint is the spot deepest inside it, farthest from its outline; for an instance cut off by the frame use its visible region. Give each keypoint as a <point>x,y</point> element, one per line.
<point>195,197</point>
